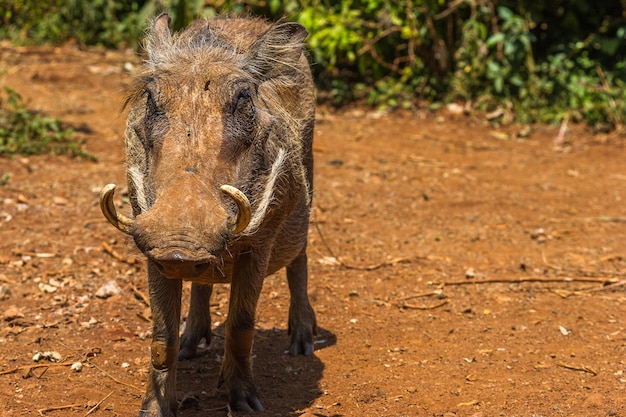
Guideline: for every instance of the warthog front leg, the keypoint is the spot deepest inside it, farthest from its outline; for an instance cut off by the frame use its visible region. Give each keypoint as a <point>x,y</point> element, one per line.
<point>198,321</point>
<point>302,324</point>
<point>165,296</point>
<point>236,372</point>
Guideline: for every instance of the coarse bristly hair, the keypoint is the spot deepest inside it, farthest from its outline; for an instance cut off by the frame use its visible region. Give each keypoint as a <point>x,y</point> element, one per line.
<point>273,54</point>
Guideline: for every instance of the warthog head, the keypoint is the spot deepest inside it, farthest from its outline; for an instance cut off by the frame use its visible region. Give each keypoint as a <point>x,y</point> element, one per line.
<point>212,143</point>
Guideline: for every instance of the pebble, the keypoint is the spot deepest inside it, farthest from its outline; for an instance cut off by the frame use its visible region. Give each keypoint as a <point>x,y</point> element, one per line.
<point>47,288</point>
<point>109,289</point>
<point>12,313</point>
<point>77,366</point>
<point>49,355</point>
<point>60,201</point>
<point>5,292</point>
<point>89,324</point>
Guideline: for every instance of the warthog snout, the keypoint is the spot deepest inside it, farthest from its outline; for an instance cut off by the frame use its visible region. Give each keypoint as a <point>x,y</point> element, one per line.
<point>178,263</point>
<point>127,225</point>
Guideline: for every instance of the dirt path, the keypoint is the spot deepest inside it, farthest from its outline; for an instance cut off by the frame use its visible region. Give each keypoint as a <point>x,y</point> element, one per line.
<point>411,213</point>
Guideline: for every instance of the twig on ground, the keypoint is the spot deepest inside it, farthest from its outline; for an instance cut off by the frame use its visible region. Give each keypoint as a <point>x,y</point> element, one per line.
<point>115,379</point>
<point>140,294</point>
<point>374,267</point>
<point>95,407</point>
<point>545,261</point>
<point>111,251</point>
<point>29,368</point>
<point>577,368</point>
<point>605,219</point>
<point>423,294</point>
<point>607,258</point>
<point>414,307</point>
<point>41,411</point>
<point>605,287</point>
<point>525,279</point>
<point>585,272</point>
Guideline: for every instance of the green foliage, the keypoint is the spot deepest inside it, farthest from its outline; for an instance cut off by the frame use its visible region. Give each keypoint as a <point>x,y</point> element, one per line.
<point>544,59</point>
<point>508,63</point>
<point>29,133</point>
<point>91,22</point>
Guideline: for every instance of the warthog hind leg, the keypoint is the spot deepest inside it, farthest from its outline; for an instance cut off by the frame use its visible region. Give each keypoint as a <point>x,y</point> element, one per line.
<point>302,324</point>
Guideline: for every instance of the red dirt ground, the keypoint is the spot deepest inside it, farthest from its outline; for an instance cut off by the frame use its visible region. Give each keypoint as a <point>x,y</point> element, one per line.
<point>457,269</point>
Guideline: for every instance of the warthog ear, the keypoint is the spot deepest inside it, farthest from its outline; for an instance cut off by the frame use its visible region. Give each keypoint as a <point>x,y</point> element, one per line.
<point>159,36</point>
<point>277,51</point>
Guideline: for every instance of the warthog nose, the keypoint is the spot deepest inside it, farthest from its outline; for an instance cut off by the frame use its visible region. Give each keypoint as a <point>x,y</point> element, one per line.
<point>178,264</point>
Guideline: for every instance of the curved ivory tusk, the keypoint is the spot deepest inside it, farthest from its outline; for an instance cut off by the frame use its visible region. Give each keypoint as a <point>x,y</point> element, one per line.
<point>118,220</point>
<point>244,211</point>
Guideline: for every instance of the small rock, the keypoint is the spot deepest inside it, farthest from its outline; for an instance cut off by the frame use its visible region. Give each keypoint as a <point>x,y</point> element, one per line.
<point>77,367</point>
<point>109,289</point>
<point>47,288</point>
<point>55,282</point>
<point>60,201</point>
<point>49,355</point>
<point>5,217</point>
<point>537,233</point>
<point>89,324</point>
<point>470,273</point>
<point>12,313</point>
<point>329,261</point>
<point>5,292</point>
<point>455,108</point>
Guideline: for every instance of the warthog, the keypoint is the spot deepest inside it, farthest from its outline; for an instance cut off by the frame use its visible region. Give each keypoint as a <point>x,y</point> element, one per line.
<point>220,175</point>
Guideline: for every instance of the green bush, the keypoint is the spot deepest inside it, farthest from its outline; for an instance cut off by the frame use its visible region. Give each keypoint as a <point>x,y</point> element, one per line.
<point>91,22</point>
<point>544,59</point>
<point>29,133</point>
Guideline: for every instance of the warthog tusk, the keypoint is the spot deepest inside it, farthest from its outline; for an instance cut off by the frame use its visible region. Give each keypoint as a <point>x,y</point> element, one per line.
<point>118,220</point>
<point>244,211</point>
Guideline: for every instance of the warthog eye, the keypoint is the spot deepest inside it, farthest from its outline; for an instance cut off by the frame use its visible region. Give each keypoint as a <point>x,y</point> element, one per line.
<point>155,121</point>
<point>243,105</point>
<point>244,112</point>
<point>240,118</point>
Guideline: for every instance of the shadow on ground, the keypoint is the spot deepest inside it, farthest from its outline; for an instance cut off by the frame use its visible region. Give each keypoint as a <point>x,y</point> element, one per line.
<point>285,383</point>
